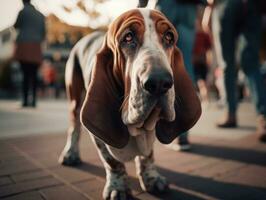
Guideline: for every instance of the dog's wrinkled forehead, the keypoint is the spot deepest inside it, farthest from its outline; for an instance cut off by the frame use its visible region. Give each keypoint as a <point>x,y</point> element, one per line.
<point>142,20</point>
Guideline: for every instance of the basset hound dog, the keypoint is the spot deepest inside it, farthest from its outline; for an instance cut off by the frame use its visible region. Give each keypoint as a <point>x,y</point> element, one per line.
<point>136,89</point>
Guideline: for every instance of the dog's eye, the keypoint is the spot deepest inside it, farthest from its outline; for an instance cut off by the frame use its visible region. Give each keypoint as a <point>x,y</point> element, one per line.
<point>128,38</point>
<point>169,38</point>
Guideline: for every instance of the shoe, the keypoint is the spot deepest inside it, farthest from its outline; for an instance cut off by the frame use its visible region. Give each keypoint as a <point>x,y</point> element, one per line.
<point>262,138</point>
<point>227,124</point>
<point>230,122</point>
<point>261,128</point>
<point>24,105</point>
<point>179,147</point>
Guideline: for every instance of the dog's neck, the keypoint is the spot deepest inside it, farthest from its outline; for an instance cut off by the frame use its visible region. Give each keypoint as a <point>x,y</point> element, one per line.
<point>144,133</point>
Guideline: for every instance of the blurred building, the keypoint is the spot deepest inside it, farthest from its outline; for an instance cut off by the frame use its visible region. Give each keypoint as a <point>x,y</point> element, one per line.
<point>7,41</point>
<point>61,37</point>
<point>7,38</point>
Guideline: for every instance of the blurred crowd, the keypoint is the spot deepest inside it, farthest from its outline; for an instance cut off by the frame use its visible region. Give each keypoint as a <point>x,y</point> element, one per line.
<point>223,44</point>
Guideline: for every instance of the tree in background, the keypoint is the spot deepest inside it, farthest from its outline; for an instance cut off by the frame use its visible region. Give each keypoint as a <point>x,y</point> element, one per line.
<point>82,5</point>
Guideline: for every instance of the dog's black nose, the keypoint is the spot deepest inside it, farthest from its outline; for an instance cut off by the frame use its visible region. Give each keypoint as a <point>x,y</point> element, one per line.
<point>158,83</point>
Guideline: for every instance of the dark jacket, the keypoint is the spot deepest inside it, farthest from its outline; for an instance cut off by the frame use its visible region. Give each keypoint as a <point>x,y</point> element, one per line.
<point>30,25</point>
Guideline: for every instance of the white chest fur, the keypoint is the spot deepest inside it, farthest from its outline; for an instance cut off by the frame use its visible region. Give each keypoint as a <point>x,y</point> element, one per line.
<point>137,145</point>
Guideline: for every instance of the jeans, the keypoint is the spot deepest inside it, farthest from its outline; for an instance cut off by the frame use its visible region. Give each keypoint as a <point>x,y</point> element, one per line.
<point>232,19</point>
<point>183,17</point>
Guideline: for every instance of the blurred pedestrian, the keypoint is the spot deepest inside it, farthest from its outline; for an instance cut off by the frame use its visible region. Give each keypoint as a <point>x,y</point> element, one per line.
<point>201,62</point>
<point>219,84</point>
<point>49,77</point>
<point>230,20</point>
<point>182,14</point>
<point>30,25</point>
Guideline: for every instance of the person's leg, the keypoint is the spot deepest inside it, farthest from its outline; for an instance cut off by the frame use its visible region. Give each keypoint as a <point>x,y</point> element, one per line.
<point>250,63</point>
<point>31,80</point>
<point>183,17</point>
<point>34,84</point>
<point>219,83</point>
<point>25,83</point>
<point>224,23</point>
<point>185,43</point>
<point>201,72</point>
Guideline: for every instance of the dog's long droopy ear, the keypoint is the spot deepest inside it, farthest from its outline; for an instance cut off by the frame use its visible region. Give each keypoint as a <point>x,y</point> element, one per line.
<point>100,113</point>
<point>187,103</point>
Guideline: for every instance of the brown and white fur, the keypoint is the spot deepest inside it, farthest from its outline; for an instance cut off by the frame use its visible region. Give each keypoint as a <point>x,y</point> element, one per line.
<point>137,89</point>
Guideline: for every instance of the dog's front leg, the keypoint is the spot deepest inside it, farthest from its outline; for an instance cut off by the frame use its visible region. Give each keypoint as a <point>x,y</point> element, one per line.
<point>116,186</point>
<point>70,154</point>
<point>149,178</point>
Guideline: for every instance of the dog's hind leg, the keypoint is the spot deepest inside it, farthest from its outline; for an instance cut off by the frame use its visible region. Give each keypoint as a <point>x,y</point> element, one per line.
<point>74,87</point>
<point>116,186</point>
<point>149,178</point>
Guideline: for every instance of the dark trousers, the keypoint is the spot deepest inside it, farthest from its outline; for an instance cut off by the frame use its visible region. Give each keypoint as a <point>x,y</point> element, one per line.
<point>233,18</point>
<point>29,71</point>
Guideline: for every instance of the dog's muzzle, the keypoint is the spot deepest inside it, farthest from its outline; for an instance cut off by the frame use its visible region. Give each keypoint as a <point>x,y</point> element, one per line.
<point>157,83</point>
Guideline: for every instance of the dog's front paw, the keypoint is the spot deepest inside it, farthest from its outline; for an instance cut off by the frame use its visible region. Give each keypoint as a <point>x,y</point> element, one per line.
<point>151,181</point>
<point>69,158</point>
<point>116,187</point>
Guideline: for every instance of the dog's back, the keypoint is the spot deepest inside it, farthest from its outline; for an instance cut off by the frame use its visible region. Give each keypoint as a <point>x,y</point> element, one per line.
<point>81,58</point>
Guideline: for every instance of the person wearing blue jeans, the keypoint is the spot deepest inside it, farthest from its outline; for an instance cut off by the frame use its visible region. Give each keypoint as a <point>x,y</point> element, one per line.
<point>232,19</point>
<point>182,14</point>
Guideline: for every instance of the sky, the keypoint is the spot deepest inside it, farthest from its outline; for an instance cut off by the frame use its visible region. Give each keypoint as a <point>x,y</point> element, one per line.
<point>9,10</point>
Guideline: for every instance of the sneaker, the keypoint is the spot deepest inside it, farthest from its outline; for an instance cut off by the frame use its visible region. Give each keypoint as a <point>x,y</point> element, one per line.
<point>179,147</point>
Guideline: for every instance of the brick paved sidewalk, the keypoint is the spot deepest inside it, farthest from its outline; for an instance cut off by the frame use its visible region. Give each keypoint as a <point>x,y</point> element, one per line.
<point>214,169</point>
<point>218,166</point>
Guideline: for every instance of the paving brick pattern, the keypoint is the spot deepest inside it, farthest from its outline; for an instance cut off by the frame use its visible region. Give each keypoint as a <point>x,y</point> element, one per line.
<point>217,167</point>
<point>213,169</point>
